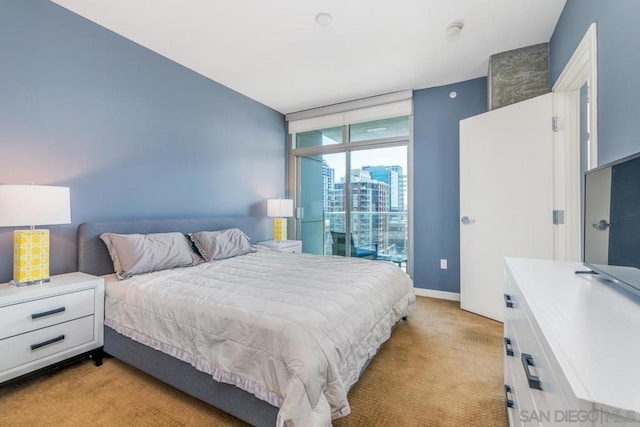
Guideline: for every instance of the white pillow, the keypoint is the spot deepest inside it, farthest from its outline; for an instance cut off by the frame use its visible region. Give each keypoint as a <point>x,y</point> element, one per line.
<point>215,245</point>
<point>143,253</point>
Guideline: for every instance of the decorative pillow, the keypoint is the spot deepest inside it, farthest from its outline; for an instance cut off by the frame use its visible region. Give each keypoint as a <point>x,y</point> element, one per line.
<point>214,245</point>
<point>143,253</point>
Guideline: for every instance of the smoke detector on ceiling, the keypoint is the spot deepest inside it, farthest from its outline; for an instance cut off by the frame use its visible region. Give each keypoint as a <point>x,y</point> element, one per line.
<point>454,29</point>
<point>323,19</point>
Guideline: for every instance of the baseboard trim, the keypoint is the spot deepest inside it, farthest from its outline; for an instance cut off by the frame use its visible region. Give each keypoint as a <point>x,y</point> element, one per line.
<point>432,293</point>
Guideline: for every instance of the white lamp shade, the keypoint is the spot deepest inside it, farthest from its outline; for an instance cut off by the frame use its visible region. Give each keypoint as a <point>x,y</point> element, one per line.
<point>280,208</point>
<point>23,205</point>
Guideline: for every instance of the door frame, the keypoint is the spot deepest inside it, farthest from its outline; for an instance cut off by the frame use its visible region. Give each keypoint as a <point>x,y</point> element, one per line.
<point>582,68</point>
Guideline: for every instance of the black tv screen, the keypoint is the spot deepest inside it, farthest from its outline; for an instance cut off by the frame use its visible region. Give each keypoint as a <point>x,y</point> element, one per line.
<point>612,221</point>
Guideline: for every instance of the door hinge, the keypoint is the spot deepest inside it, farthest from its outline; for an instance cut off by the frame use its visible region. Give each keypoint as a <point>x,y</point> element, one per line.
<point>557,123</point>
<point>558,217</point>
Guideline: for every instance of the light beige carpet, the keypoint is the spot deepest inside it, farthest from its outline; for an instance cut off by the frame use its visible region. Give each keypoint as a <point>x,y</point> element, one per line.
<point>443,367</point>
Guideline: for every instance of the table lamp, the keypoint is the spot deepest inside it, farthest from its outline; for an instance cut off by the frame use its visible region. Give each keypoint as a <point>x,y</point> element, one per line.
<point>280,209</point>
<point>31,205</point>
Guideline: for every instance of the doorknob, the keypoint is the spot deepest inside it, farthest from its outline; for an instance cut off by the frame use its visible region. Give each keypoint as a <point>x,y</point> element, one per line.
<point>466,220</point>
<point>603,224</point>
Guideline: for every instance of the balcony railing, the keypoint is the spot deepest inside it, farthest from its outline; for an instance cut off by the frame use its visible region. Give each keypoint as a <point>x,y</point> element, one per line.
<point>386,231</point>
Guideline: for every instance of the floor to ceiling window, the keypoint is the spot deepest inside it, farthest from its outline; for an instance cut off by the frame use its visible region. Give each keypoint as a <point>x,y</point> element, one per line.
<point>351,183</point>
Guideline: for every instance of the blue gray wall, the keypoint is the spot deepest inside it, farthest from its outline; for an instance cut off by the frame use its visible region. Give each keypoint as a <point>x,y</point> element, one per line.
<point>618,67</point>
<point>436,201</point>
<point>133,134</point>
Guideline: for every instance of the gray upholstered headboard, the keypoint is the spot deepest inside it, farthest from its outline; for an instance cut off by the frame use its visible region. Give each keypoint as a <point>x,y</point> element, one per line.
<point>93,257</point>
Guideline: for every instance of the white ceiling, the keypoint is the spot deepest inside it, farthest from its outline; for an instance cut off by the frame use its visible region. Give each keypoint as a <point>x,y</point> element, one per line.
<point>274,52</point>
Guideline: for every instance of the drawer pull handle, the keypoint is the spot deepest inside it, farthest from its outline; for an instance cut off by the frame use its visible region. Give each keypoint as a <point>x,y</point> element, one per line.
<point>507,390</point>
<point>47,342</point>
<point>534,381</point>
<point>507,346</point>
<point>508,301</point>
<point>47,313</point>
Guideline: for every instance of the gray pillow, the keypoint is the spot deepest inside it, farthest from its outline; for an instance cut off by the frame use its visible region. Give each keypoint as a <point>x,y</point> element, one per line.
<point>143,253</point>
<point>214,245</point>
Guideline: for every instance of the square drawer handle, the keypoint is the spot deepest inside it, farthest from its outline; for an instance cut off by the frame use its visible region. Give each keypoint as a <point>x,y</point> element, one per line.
<point>47,313</point>
<point>507,390</point>
<point>534,381</point>
<point>47,342</point>
<point>507,346</point>
<point>508,301</point>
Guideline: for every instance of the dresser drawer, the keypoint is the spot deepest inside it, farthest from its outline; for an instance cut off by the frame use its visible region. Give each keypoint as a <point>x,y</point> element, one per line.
<point>533,343</point>
<point>524,404</point>
<point>533,358</point>
<point>511,400</point>
<point>30,346</point>
<point>41,313</point>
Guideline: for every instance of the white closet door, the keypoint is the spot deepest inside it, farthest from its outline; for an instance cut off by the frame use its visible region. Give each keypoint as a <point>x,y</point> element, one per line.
<point>506,197</point>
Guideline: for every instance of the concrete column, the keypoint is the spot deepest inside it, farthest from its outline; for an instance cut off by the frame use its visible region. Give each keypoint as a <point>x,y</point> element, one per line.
<point>517,75</point>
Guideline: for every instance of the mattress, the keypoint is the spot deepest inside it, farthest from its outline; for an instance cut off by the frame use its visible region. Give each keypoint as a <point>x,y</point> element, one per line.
<point>293,329</point>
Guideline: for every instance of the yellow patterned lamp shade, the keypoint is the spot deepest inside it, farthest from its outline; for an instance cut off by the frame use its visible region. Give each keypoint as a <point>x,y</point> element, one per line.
<point>280,209</point>
<point>31,205</point>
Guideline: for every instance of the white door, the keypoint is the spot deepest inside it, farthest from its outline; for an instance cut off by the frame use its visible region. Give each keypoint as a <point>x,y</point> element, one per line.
<point>506,198</point>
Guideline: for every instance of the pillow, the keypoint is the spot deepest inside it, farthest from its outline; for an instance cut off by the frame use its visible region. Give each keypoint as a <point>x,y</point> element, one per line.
<point>143,253</point>
<point>214,245</point>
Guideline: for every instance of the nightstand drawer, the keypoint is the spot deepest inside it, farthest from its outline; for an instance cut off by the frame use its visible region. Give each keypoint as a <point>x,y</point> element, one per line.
<point>25,348</point>
<point>41,313</point>
<point>296,249</point>
<point>291,246</point>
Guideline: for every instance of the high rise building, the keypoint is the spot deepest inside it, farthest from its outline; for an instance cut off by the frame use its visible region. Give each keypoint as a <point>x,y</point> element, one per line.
<point>392,176</point>
<point>368,197</point>
<point>378,206</point>
<point>328,178</point>
<point>402,187</point>
<point>396,238</point>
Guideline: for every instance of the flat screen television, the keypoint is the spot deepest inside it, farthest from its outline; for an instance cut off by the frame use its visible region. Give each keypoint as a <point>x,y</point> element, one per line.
<point>612,221</point>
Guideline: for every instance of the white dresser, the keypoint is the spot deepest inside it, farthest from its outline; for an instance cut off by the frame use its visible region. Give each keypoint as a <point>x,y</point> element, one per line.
<point>42,325</point>
<point>572,347</point>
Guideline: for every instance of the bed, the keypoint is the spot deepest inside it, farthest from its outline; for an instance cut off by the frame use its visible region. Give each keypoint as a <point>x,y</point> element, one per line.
<point>273,338</point>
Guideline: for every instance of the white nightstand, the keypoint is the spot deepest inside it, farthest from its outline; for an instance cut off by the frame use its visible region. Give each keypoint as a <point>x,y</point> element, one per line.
<point>42,325</point>
<point>293,246</point>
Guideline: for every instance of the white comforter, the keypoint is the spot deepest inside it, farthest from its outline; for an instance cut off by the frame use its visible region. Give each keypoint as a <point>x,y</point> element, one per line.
<point>293,329</point>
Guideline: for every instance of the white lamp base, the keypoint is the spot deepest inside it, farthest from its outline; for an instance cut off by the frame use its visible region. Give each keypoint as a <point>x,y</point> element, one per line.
<point>22,284</point>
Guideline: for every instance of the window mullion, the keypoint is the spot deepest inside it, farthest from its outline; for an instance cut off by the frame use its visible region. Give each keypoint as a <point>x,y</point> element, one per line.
<point>341,148</point>
<point>347,195</point>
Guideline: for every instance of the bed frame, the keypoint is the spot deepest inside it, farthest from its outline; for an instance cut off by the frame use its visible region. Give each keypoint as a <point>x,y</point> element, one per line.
<point>93,258</point>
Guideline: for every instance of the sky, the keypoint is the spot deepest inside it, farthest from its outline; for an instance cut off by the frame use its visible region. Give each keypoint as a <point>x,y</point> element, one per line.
<point>389,156</point>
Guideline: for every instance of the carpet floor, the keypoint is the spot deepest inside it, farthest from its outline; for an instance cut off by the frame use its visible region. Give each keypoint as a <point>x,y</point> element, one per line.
<point>443,367</point>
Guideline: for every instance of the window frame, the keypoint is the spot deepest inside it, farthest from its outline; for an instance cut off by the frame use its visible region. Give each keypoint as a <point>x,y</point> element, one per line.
<point>294,179</point>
